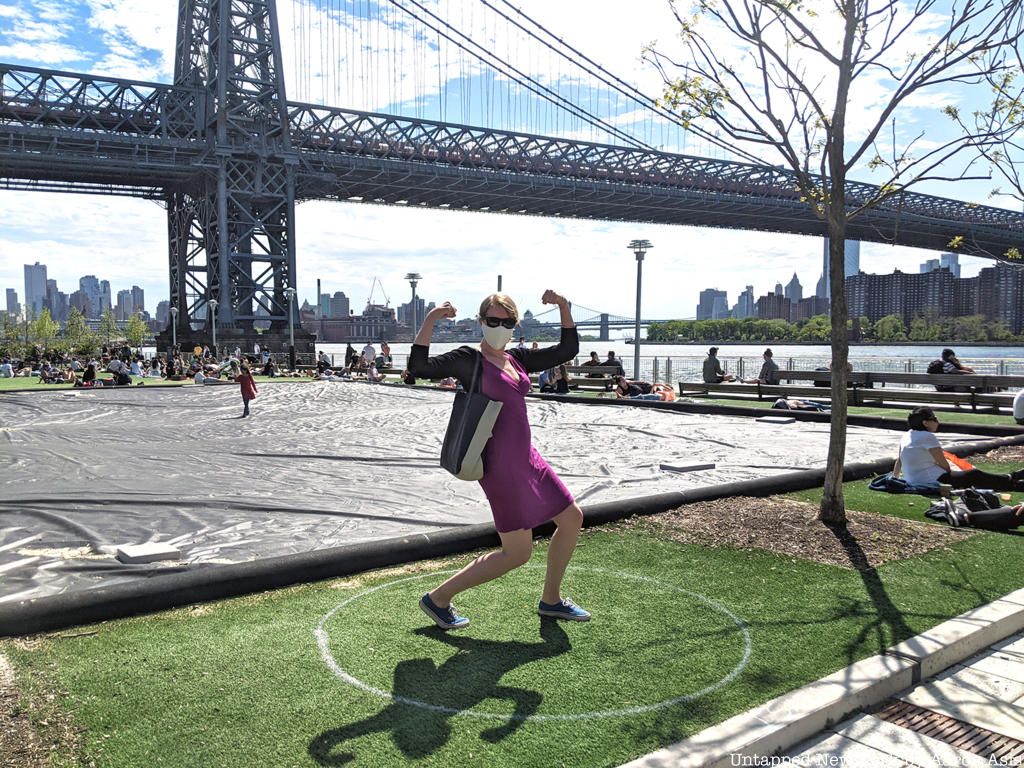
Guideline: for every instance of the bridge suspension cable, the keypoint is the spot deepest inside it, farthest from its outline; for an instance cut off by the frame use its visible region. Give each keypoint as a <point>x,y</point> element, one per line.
<point>469,62</point>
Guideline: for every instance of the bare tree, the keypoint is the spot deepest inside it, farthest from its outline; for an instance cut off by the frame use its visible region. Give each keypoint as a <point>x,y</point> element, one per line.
<point>1003,115</point>
<point>779,78</point>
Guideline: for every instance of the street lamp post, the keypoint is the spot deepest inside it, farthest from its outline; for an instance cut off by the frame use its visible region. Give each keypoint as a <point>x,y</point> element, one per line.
<point>414,279</point>
<point>290,293</point>
<point>213,324</point>
<point>174,329</point>
<point>639,248</point>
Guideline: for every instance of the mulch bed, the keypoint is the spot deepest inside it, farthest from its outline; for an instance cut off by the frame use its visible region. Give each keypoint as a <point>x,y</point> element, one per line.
<point>789,527</point>
<point>1009,454</point>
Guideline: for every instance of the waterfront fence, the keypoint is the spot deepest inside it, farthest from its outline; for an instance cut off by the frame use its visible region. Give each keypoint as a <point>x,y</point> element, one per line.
<point>670,369</point>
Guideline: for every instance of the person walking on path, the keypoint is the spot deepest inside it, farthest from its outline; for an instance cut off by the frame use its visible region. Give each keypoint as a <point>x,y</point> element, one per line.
<point>522,489</point>
<point>248,385</point>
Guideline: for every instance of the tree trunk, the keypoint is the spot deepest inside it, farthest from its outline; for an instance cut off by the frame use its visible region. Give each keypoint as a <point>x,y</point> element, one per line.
<point>833,507</point>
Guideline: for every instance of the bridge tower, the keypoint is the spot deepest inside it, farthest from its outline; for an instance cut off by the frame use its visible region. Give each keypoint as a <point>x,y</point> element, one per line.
<point>231,235</point>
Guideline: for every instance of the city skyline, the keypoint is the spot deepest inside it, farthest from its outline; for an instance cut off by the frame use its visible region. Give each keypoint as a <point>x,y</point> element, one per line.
<point>92,298</point>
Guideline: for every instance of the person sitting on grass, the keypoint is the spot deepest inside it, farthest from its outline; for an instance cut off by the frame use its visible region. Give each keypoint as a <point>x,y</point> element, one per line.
<point>373,375</point>
<point>561,382</point>
<point>922,462</point>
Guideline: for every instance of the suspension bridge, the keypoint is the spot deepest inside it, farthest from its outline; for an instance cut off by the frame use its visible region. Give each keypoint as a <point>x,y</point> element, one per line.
<point>230,156</point>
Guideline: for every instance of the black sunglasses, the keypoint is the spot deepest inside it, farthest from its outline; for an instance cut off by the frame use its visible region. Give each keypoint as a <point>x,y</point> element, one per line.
<point>506,322</point>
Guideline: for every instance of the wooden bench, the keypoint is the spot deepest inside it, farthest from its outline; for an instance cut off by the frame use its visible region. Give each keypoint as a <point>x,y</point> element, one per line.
<point>758,391</point>
<point>592,376</point>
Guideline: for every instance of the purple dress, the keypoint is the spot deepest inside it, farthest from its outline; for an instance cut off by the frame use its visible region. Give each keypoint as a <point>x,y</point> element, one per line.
<point>520,485</point>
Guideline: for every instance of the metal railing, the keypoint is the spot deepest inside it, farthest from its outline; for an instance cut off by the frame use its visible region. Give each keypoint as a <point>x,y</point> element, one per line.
<point>670,369</point>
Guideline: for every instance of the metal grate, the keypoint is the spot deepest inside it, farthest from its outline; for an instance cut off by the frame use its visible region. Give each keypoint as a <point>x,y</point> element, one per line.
<point>1001,750</point>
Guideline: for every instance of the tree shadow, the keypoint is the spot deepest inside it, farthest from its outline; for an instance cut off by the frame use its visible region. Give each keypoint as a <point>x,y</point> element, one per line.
<point>468,678</point>
<point>888,625</point>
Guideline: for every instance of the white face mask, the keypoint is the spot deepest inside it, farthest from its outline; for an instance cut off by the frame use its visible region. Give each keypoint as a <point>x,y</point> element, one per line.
<point>498,337</point>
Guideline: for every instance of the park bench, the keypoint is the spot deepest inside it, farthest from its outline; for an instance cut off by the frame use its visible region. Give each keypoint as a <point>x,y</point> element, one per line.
<point>869,388</point>
<point>579,378</point>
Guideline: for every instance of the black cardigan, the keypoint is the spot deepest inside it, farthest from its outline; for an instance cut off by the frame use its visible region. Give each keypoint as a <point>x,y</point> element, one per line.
<point>462,362</point>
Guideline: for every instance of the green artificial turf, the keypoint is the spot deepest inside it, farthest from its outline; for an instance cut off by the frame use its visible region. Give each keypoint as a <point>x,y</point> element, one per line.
<point>242,682</point>
<point>909,506</point>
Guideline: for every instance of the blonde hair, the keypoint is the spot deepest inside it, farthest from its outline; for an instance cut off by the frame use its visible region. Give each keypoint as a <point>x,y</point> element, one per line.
<point>502,300</point>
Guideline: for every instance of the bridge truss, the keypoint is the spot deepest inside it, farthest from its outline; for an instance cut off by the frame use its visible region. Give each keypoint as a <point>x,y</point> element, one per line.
<point>230,157</point>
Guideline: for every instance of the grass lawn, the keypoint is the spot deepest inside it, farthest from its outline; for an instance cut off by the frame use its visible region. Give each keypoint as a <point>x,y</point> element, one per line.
<point>906,505</point>
<point>243,683</point>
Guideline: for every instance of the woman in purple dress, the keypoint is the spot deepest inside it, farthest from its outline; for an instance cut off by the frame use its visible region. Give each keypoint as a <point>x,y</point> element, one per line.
<point>522,489</point>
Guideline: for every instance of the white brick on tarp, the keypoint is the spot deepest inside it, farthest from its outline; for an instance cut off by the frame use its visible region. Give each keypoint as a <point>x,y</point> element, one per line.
<point>147,553</point>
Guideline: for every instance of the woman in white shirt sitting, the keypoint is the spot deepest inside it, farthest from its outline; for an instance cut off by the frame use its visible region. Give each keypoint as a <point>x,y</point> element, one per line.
<point>922,462</point>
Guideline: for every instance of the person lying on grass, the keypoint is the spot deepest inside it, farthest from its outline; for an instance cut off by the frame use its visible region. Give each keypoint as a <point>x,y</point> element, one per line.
<point>922,462</point>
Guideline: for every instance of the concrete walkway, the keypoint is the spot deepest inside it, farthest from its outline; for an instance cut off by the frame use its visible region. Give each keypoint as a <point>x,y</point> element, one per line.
<point>951,696</point>
<point>971,714</point>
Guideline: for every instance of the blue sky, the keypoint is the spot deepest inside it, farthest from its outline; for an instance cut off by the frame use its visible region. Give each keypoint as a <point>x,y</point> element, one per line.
<point>348,245</point>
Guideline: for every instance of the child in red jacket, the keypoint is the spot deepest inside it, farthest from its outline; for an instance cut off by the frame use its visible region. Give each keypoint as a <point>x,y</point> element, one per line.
<point>248,384</point>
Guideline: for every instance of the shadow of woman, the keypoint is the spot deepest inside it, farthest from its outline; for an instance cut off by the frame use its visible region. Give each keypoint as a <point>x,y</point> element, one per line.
<point>418,725</point>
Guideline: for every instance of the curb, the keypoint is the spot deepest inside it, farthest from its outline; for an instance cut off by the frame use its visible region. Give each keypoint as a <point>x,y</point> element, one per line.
<point>780,724</point>
<point>202,583</point>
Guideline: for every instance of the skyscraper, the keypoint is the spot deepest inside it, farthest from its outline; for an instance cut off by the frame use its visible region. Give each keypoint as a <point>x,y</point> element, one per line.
<point>851,266</point>
<point>92,307</point>
<point>105,297</point>
<point>123,308</point>
<point>13,307</point>
<point>35,289</point>
<point>714,304</point>
<point>138,300</point>
<point>794,291</point>
<point>744,304</point>
<point>950,261</point>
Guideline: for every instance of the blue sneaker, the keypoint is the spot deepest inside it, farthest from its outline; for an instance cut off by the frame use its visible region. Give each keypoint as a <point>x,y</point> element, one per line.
<point>566,609</point>
<point>445,618</point>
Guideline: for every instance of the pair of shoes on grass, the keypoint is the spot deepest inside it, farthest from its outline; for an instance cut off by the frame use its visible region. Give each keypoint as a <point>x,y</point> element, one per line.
<point>954,516</point>
<point>447,618</point>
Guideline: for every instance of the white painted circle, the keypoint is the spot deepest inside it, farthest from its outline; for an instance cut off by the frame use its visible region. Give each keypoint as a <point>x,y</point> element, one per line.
<point>323,640</point>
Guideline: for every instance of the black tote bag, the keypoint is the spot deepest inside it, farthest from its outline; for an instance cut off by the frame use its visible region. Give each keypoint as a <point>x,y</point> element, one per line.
<point>469,428</point>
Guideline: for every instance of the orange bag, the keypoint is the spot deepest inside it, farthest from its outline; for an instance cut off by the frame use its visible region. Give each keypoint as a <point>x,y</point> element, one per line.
<point>955,462</point>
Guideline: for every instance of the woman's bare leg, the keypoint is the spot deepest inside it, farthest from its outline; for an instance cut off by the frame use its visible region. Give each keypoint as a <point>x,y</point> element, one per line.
<point>563,544</point>
<point>516,547</point>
